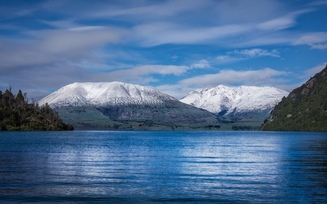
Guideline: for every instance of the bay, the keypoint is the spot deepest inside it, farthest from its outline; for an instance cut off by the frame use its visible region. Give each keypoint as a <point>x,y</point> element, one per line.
<point>163,167</point>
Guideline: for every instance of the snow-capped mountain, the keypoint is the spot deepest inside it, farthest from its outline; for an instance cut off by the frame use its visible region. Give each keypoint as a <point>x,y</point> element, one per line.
<point>118,105</point>
<point>224,99</point>
<point>104,93</point>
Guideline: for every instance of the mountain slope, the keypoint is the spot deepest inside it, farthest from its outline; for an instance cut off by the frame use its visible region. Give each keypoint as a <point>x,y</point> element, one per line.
<point>304,109</point>
<point>118,105</point>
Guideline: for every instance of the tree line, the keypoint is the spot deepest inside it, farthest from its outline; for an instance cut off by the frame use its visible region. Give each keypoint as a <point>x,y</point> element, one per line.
<point>16,113</point>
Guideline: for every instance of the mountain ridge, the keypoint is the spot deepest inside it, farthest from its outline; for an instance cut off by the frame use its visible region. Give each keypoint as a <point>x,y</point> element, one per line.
<point>242,98</point>
<point>118,105</point>
<point>104,93</point>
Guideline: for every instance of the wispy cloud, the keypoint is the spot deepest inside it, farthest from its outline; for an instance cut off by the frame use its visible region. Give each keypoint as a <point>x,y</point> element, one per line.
<point>143,72</point>
<point>256,52</point>
<point>152,69</point>
<point>226,76</point>
<point>56,46</point>
<point>231,28</point>
<point>148,41</point>
<point>40,81</point>
<point>259,77</point>
<point>201,64</point>
<point>317,40</point>
<point>313,70</point>
<point>224,59</point>
<point>157,33</point>
<point>176,90</point>
<point>283,22</point>
<point>238,55</point>
<point>147,72</point>
<point>79,39</point>
<point>17,10</point>
<point>54,58</point>
<point>319,3</point>
<point>142,10</point>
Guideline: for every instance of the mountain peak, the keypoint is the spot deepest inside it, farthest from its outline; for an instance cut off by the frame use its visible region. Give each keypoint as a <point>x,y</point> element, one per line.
<point>104,93</point>
<point>242,98</point>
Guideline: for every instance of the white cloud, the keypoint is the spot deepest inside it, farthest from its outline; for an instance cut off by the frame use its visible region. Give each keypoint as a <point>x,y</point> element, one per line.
<point>60,24</point>
<point>143,10</point>
<point>56,46</point>
<point>246,11</point>
<point>201,64</point>
<point>317,40</point>
<point>67,51</point>
<point>157,33</point>
<point>282,22</point>
<point>39,81</point>
<point>319,3</point>
<point>256,52</point>
<point>222,59</point>
<point>313,70</point>
<point>277,24</point>
<point>234,23</point>
<point>260,77</point>
<point>50,59</point>
<point>238,55</point>
<point>231,24</point>
<point>77,40</point>
<point>143,72</point>
<point>157,69</point>
<point>255,77</point>
<point>302,77</point>
<point>182,11</point>
<point>267,38</point>
<point>177,90</point>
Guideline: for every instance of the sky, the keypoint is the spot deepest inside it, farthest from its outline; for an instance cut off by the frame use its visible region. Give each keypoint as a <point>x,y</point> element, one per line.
<point>173,46</point>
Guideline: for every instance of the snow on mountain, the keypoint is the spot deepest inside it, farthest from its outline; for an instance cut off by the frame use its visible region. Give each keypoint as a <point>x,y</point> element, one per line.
<point>235,99</point>
<point>104,93</point>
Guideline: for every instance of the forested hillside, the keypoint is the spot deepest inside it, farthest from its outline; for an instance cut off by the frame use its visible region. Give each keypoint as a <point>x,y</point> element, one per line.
<point>305,108</point>
<point>17,114</point>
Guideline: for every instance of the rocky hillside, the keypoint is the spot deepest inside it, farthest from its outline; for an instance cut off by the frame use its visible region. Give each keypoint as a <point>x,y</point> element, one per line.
<point>304,109</point>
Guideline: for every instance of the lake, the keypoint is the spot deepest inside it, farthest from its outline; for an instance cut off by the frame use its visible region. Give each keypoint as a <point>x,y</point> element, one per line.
<point>163,167</point>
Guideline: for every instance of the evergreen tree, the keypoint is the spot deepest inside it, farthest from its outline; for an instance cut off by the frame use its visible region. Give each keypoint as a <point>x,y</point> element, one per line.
<point>17,114</point>
<point>19,97</point>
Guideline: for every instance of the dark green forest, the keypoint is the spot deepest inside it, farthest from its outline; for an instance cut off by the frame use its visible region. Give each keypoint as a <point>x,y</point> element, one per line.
<point>16,113</point>
<point>305,109</point>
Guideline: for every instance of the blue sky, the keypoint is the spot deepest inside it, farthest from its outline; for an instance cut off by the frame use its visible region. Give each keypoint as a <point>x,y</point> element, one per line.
<point>174,46</point>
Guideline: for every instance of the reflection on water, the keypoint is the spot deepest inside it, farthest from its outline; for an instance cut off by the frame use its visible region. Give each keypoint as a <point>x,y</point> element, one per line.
<point>159,166</point>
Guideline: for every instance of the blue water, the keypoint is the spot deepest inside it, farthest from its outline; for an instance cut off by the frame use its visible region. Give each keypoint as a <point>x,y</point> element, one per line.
<point>163,167</point>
